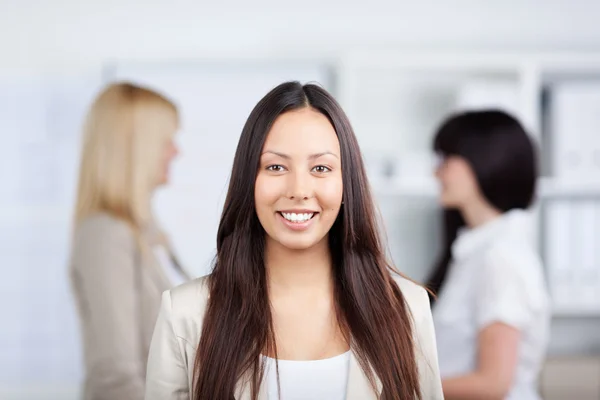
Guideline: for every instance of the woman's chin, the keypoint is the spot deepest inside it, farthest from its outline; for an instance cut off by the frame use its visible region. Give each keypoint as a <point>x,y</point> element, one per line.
<point>162,181</point>
<point>450,204</point>
<point>297,243</point>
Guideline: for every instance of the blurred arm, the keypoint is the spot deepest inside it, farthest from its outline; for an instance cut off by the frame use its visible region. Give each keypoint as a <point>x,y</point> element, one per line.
<point>106,281</point>
<point>497,360</point>
<point>503,309</point>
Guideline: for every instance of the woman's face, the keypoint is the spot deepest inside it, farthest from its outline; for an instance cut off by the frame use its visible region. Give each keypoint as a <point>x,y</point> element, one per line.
<point>458,182</point>
<point>298,188</point>
<point>168,154</point>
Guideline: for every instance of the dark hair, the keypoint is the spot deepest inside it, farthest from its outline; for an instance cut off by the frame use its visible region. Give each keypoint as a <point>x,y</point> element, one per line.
<point>371,310</point>
<point>503,159</point>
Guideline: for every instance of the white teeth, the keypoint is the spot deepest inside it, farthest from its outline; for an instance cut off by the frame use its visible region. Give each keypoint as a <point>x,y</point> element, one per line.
<point>293,217</point>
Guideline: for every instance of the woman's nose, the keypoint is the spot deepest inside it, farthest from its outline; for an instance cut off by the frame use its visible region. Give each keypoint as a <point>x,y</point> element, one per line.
<point>299,186</point>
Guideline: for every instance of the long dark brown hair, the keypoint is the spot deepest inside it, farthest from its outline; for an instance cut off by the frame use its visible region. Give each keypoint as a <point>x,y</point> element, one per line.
<point>370,308</point>
<point>504,161</point>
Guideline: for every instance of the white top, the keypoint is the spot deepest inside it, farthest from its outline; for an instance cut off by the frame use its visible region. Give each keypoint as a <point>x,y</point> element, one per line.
<point>166,262</point>
<point>309,380</point>
<point>496,276</point>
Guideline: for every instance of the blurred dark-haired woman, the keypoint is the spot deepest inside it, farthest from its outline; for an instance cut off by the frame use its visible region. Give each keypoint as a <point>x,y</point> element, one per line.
<point>491,313</point>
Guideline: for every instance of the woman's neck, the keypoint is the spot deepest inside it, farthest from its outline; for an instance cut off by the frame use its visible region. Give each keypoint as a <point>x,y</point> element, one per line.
<point>477,213</point>
<point>307,270</point>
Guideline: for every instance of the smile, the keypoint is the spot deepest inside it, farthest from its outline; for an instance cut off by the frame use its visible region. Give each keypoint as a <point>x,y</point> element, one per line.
<point>297,217</point>
<point>297,220</point>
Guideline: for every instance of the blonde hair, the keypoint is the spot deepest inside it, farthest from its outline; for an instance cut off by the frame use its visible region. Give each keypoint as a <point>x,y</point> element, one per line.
<point>125,133</point>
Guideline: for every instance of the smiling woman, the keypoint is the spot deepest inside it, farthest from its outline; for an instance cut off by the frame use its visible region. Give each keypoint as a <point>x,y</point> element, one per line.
<point>301,302</point>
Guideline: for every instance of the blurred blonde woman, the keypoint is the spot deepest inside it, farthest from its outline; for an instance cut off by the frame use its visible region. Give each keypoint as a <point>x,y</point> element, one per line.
<point>121,262</point>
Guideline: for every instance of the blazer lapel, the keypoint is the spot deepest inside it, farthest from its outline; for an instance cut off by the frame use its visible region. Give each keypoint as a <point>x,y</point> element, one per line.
<point>243,390</point>
<point>358,387</point>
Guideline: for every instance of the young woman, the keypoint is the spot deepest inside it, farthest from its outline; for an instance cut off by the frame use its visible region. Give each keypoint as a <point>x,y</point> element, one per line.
<point>121,262</point>
<point>492,314</point>
<point>301,303</point>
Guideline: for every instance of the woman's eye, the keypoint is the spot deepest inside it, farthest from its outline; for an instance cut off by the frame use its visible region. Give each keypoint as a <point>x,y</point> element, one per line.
<point>275,168</point>
<point>321,169</point>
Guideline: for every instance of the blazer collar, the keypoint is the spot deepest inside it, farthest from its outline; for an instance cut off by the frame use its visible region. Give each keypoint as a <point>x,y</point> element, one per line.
<point>357,388</point>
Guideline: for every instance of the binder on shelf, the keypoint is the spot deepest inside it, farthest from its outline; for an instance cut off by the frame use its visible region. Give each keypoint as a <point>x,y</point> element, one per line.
<point>587,242</point>
<point>571,256</point>
<point>557,250</point>
<point>575,127</point>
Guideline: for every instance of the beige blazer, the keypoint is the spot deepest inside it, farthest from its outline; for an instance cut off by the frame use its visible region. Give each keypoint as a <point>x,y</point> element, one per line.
<point>117,291</point>
<point>176,336</point>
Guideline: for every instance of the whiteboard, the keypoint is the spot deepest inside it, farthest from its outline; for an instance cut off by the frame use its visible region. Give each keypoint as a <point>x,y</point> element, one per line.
<point>40,123</point>
<point>214,100</point>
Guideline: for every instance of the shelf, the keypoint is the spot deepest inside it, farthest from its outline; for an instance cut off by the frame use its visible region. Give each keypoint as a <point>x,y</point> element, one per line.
<point>549,188</point>
<point>415,187</point>
<point>571,62</point>
<point>394,60</point>
<point>555,188</point>
<point>575,312</point>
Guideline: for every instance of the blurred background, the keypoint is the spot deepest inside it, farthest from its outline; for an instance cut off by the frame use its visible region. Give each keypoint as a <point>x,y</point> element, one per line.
<point>397,67</point>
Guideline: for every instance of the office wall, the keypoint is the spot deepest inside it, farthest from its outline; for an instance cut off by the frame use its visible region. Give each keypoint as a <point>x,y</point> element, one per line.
<point>69,34</point>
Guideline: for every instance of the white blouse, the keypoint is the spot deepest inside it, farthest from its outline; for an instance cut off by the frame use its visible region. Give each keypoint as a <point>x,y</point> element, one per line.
<point>309,380</point>
<point>496,276</point>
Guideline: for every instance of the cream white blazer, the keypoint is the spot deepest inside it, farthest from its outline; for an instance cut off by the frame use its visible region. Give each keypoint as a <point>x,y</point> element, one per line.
<point>179,324</point>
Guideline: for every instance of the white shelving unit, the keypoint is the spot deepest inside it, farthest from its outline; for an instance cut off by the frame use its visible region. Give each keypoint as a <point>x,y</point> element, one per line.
<point>548,188</point>
<point>396,101</point>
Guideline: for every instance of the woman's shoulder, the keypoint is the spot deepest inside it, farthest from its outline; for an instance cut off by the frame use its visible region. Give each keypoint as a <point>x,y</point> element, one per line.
<point>103,223</point>
<point>188,296</point>
<point>417,299</point>
<point>510,266</point>
<point>516,245</point>
<point>186,305</point>
<point>95,238</point>
<point>415,296</point>
<point>511,259</point>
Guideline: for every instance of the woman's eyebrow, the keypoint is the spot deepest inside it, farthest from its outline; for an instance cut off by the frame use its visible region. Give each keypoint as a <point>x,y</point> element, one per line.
<point>311,157</point>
